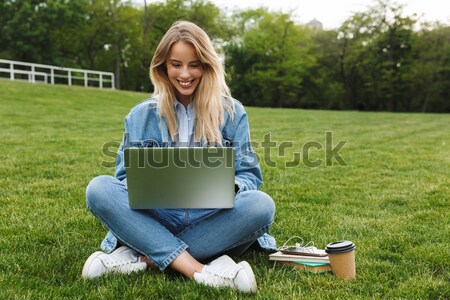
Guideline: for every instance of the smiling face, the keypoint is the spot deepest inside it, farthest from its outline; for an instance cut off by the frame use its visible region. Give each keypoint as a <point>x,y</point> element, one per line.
<point>184,70</point>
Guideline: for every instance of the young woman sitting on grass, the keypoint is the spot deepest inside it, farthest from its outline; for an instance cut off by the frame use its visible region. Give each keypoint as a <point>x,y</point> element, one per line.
<point>189,81</point>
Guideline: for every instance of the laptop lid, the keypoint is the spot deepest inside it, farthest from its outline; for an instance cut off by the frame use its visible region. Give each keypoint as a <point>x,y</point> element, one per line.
<point>180,177</point>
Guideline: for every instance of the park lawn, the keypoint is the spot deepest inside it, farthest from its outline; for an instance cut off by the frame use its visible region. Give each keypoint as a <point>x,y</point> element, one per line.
<point>386,189</point>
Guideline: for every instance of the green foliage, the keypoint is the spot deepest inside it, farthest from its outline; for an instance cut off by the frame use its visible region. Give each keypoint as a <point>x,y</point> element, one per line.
<point>29,28</point>
<point>376,60</point>
<point>431,72</point>
<point>379,59</point>
<point>322,84</point>
<point>383,59</point>
<point>391,200</point>
<point>264,64</point>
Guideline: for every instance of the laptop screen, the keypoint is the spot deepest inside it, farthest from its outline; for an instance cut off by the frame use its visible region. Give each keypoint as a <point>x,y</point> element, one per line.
<point>180,177</point>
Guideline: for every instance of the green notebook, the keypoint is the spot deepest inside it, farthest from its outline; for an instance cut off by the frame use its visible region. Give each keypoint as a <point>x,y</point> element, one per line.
<point>309,264</point>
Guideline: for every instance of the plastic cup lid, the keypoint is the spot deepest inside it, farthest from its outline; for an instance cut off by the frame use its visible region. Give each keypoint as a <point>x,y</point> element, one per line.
<point>344,250</point>
<point>340,247</point>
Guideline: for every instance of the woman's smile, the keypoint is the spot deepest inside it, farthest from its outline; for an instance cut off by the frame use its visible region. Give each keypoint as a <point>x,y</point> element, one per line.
<point>186,84</point>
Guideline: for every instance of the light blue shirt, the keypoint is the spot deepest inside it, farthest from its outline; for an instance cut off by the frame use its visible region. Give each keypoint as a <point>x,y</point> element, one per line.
<point>186,121</point>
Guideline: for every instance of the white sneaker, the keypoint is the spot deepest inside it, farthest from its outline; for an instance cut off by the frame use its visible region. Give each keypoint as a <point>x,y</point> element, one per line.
<point>122,260</point>
<point>223,271</point>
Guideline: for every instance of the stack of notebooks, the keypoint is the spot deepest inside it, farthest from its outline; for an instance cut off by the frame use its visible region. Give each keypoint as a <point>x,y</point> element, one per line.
<point>314,261</point>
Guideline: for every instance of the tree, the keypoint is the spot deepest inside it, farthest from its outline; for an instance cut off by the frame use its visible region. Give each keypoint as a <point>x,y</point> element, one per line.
<point>322,84</point>
<point>431,70</point>
<point>27,28</point>
<point>376,58</point>
<point>267,61</point>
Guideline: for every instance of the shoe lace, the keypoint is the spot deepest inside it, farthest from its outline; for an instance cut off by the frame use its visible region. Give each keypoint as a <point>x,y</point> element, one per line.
<point>124,264</point>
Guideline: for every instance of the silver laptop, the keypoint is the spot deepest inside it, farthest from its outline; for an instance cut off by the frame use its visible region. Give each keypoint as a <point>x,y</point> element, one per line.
<point>180,177</point>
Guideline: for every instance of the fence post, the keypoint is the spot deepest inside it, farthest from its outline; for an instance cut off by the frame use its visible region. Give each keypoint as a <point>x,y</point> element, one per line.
<point>85,79</point>
<point>52,76</point>
<point>11,67</point>
<point>101,80</point>
<point>113,85</point>
<point>33,79</point>
<point>69,77</point>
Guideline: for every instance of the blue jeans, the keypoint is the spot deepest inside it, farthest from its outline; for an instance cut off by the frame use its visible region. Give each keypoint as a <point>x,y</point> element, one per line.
<point>162,235</point>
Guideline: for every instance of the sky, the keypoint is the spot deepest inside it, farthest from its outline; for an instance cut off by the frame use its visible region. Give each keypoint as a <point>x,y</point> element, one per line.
<point>332,13</point>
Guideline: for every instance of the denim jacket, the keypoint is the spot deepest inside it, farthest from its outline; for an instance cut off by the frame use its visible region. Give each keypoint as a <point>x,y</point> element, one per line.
<point>145,128</point>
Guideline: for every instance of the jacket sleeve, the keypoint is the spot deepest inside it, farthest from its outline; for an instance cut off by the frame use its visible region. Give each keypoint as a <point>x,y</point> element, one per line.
<point>248,173</point>
<point>120,160</point>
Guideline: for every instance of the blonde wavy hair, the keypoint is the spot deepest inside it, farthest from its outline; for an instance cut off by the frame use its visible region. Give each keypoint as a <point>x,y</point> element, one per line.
<point>212,95</point>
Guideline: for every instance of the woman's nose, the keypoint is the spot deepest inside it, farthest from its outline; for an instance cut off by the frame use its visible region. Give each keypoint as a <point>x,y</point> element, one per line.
<point>185,72</point>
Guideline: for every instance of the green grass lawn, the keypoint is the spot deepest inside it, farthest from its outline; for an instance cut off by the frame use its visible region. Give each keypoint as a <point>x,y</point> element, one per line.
<point>392,199</point>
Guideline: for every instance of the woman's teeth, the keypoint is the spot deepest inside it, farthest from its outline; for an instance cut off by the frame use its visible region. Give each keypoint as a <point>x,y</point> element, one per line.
<point>185,83</point>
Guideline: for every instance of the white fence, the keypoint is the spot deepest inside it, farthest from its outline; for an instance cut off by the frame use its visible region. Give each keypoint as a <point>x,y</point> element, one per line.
<point>17,70</point>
